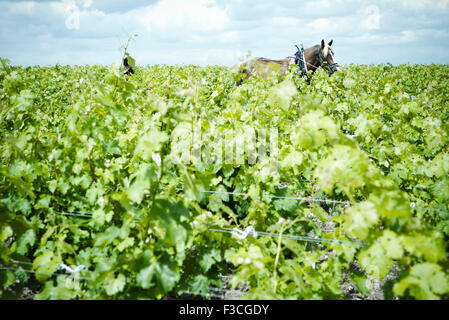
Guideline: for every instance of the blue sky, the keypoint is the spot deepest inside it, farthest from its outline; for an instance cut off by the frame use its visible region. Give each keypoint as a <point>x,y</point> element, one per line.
<point>222,31</point>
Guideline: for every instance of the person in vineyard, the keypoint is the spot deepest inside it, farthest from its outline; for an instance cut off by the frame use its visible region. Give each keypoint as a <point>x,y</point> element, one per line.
<point>129,69</point>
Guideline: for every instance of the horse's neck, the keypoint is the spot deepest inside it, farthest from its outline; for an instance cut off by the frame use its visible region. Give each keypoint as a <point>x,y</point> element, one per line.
<point>311,56</point>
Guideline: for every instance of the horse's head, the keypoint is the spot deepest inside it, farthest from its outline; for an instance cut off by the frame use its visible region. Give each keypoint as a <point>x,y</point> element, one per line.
<point>326,57</point>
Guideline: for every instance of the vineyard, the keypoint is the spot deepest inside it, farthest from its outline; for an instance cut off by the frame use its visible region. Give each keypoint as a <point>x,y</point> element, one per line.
<point>348,182</point>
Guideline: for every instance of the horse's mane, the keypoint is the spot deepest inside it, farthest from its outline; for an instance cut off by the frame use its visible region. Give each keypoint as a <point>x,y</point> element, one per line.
<point>312,48</point>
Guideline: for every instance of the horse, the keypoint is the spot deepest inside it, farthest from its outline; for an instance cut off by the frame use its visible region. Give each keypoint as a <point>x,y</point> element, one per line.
<point>320,55</point>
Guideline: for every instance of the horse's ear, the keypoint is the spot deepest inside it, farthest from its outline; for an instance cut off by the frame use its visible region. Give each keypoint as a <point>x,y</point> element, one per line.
<point>323,44</point>
<point>330,43</point>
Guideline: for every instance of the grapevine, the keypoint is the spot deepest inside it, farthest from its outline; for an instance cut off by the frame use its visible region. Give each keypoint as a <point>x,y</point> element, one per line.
<point>88,178</point>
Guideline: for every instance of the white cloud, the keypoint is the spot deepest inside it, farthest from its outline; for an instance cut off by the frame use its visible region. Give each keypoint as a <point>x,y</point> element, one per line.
<point>408,36</point>
<point>180,16</point>
<point>374,40</point>
<point>87,3</point>
<point>418,4</point>
<point>318,5</point>
<point>286,21</point>
<point>370,18</point>
<point>218,31</point>
<point>26,7</point>
<point>321,24</point>
<point>334,27</point>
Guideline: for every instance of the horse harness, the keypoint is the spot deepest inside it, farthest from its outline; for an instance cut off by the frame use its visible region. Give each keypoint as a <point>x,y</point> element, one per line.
<point>301,62</point>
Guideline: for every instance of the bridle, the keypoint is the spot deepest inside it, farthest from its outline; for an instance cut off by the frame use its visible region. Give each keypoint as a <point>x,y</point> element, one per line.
<point>301,62</point>
<point>330,67</point>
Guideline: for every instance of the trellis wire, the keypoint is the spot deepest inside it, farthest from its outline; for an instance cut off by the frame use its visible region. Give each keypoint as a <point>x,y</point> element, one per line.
<point>274,235</point>
<point>312,200</point>
<point>299,198</point>
<point>209,294</point>
<point>271,196</point>
<point>44,273</point>
<point>203,294</point>
<point>84,214</point>
<point>287,236</point>
<point>72,272</point>
<point>214,295</point>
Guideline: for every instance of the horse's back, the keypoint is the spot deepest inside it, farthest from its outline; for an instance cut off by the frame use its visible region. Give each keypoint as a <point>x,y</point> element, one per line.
<point>264,67</point>
<point>281,61</point>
